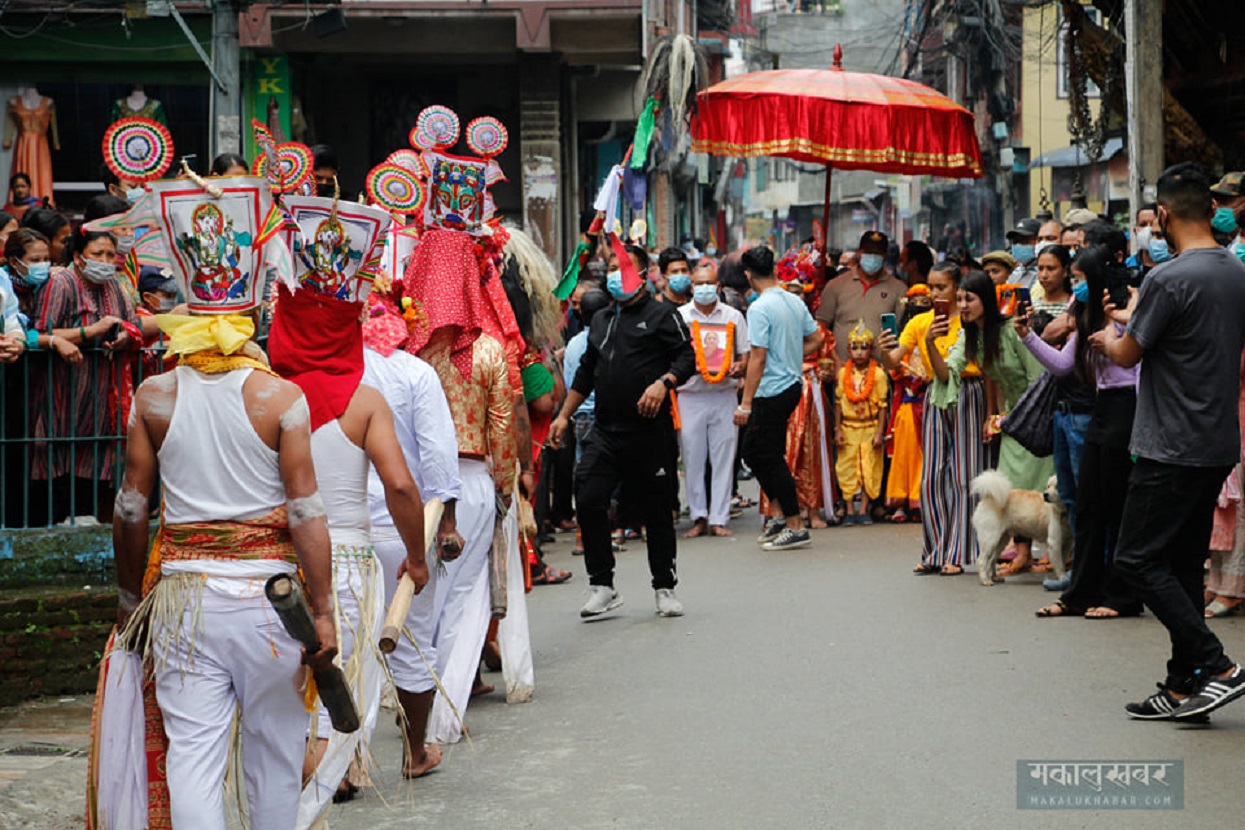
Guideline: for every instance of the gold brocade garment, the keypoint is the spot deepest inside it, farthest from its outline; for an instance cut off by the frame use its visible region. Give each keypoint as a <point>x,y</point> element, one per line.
<point>482,406</point>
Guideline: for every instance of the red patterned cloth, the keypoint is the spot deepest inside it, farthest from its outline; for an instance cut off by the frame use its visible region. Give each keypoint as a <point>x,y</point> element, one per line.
<point>317,342</point>
<point>453,281</point>
<point>384,332</point>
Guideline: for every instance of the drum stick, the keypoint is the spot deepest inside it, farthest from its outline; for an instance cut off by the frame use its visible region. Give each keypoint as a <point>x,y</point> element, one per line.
<point>395,620</point>
<point>286,596</point>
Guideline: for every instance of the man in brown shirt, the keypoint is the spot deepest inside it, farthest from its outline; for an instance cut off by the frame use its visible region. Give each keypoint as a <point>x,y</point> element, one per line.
<point>865,292</point>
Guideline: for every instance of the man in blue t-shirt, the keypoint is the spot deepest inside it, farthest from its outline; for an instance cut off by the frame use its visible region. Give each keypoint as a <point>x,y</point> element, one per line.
<point>781,332</point>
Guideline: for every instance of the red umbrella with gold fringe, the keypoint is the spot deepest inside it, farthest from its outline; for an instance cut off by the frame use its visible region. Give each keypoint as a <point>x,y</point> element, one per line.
<point>845,120</point>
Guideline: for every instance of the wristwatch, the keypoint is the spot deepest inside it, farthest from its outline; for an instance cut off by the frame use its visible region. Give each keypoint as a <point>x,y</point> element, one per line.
<point>667,382</point>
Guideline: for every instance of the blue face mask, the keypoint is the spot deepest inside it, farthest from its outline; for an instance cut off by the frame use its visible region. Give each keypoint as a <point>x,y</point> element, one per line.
<point>36,273</point>
<point>134,194</point>
<point>614,285</point>
<point>1023,253</point>
<point>705,294</point>
<point>1238,248</point>
<point>1159,251</point>
<point>1224,220</point>
<point>752,297</point>
<point>1081,291</point>
<point>679,283</point>
<point>871,263</point>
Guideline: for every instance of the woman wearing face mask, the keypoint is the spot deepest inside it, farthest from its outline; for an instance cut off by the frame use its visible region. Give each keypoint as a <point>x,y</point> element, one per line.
<point>990,340</point>
<point>1074,396</point>
<point>950,432</point>
<point>1096,590</point>
<point>27,272</point>
<point>86,305</point>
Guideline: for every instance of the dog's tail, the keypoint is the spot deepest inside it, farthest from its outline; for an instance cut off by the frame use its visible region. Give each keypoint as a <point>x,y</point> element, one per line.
<point>993,486</point>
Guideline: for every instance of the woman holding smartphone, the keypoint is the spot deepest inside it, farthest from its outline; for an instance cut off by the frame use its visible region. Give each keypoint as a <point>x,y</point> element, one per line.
<point>951,434</point>
<point>1096,590</point>
<point>990,340</point>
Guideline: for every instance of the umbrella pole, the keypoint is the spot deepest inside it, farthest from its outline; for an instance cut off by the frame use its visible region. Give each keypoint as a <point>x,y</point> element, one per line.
<point>825,219</point>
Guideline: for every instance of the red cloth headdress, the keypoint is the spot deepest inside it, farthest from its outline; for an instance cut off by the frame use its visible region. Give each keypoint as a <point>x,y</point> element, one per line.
<point>317,342</point>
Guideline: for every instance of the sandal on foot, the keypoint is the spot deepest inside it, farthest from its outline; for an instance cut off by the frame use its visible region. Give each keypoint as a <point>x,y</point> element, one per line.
<point>925,570</point>
<point>1010,569</point>
<point>551,576</point>
<point>1040,567</point>
<point>898,517</point>
<point>951,570</point>
<point>1059,608</point>
<point>1219,608</point>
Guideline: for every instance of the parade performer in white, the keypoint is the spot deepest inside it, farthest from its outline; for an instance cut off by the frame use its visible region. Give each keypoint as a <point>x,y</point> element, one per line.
<point>231,445</point>
<point>316,340</point>
<point>425,429</point>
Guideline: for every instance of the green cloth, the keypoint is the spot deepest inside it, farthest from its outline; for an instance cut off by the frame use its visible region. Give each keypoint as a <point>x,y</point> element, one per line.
<point>1012,371</point>
<point>537,381</point>
<point>644,134</point>
<point>570,277</point>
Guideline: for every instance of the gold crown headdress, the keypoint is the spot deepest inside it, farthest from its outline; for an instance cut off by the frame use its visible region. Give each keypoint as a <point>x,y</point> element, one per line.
<point>860,335</point>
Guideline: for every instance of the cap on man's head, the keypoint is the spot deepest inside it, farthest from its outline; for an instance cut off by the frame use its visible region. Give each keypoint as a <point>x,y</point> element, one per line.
<point>1002,257</point>
<point>151,278</point>
<point>873,238</point>
<point>1231,186</point>
<point>1024,229</point>
<point>1079,216</point>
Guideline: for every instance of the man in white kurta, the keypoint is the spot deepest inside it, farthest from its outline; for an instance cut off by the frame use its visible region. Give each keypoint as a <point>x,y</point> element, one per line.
<point>425,430</point>
<point>708,434</point>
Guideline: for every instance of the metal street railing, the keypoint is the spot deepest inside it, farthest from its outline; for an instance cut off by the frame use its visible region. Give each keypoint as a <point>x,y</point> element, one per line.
<point>62,434</point>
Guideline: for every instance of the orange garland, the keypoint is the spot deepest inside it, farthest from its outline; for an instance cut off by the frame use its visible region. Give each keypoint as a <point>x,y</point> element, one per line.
<point>867,390</point>
<point>698,347</point>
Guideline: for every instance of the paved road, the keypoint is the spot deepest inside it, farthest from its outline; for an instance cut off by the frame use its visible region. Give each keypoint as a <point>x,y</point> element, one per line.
<point>809,689</point>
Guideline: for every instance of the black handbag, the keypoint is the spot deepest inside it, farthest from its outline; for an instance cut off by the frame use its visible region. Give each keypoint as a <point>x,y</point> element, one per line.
<point>1032,420</point>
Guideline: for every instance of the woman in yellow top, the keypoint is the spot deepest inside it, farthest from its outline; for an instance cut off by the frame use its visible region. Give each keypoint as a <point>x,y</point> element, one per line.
<point>951,435</point>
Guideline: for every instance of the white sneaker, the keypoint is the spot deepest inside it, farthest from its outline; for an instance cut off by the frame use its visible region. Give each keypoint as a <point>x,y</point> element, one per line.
<point>668,604</point>
<point>601,599</point>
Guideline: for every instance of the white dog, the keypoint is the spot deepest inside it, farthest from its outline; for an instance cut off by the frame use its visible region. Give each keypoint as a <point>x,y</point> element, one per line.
<point>1004,512</point>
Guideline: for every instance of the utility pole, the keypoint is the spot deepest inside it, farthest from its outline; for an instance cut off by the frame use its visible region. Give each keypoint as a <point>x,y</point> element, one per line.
<point>1143,87</point>
<point>226,108</point>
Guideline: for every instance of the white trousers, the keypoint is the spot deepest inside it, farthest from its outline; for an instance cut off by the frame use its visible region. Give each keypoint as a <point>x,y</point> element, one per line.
<point>463,607</point>
<point>513,638</point>
<point>241,659</point>
<point>708,434</point>
<point>410,671</point>
<point>357,577</point>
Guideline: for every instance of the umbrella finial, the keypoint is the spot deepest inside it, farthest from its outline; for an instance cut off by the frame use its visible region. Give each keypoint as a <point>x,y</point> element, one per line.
<point>838,56</point>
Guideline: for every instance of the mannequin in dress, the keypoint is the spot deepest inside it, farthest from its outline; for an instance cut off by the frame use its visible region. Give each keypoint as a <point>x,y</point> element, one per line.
<point>138,105</point>
<point>28,119</point>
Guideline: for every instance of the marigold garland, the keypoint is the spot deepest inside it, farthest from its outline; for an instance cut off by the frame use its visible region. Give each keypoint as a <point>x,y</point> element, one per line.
<point>867,390</point>
<point>699,348</point>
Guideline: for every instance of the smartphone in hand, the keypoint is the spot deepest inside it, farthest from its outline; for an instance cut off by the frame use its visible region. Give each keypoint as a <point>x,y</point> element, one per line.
<point>1023,297</point>
<point>942,308</point>
<point>890,324</point>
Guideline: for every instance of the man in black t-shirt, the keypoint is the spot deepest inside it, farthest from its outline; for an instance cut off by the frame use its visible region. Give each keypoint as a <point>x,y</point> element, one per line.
<point>1187,328</point>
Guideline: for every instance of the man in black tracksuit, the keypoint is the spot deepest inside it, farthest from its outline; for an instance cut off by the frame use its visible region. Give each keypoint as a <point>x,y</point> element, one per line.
<point>638,350</point>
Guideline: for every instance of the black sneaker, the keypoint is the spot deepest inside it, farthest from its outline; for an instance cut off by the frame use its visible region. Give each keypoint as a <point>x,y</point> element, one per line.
<point>773,527</point>
<point>1158,706</point>
<point>789,539</point>
<point>1217,692</point>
